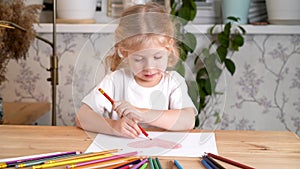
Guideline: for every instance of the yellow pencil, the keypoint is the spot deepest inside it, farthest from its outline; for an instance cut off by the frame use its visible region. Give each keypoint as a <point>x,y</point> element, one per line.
<point>74,161</point>
<point>81,156</point>
<point>107,163</point>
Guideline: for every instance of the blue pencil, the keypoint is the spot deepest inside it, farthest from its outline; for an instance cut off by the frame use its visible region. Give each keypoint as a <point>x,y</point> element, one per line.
<point>210,163</point>
<point>205,164</point>
<point>178,165</point>
<point>214,162</point>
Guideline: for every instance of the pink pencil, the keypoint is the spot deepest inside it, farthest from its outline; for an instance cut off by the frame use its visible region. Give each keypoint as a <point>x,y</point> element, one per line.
<point>102,159</point>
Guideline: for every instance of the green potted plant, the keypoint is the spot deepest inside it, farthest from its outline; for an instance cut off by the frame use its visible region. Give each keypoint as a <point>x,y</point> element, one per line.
<point>216,56</point>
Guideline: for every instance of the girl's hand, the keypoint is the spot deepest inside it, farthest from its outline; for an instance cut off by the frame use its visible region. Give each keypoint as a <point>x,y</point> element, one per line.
<point>126,128</point>
<point>125,109</point>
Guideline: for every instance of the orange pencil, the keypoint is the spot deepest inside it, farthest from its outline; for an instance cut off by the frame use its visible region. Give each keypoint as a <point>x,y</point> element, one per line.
<point>112,102</point>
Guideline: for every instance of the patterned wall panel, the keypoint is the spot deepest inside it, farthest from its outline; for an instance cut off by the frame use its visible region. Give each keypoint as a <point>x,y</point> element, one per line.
<point>264,93</point>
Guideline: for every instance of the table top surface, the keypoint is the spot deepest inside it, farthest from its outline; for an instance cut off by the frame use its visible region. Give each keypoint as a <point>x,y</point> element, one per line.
<point>259,149</point>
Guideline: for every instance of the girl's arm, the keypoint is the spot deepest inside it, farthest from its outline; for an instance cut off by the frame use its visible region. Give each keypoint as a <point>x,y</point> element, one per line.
<point>89,120</point>
<point>173,119</point>
<point>176,119</point>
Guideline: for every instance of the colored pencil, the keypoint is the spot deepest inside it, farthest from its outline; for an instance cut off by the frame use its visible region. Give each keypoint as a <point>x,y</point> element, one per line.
<point>140,164</point>
<point>171,164</point>
<point>126,166</point>
<point>144,132</point>
<point>158,163</point>
<point>151,163</point>
<point>126,163</point>
<point>215,162</point>
<point>112,102</point>
<point>210,163</point>
<point>102,160</point>
<point>13,163</point>
<point>144,166</point>
<point>106,164</point>
<point>155,164</point>
<point>226,160</point>
<point>55,164</point>
<point>178,165</point>
<point>82,156</point>
<point>41,161</point>
<point>110,99</point>
<point>205,164</point>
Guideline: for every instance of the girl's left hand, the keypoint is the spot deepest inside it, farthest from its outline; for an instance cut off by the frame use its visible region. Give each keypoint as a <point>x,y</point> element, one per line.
<point>125,109</point>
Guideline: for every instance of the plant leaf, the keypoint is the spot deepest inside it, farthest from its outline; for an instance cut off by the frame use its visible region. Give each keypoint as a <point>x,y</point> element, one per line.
<point>230,66</point>
<point>189,41</point>
<point>223,39</point>
<point>242,29</point>
<point>182,53</point>
<point>180,68</point>
<point>211,30</point>
<point>233,18</point>
<point>237,42</point>
<point>222,52</point>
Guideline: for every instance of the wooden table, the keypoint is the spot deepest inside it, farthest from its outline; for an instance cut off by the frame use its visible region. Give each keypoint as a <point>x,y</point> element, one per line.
<point>24,112</point>
<point>259,149</point>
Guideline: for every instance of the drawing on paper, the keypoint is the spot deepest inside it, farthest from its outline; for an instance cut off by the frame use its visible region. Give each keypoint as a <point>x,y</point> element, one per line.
<point>156,142</point>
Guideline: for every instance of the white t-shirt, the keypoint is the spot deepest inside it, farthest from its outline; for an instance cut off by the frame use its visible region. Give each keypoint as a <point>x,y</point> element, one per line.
<point>170,93</point>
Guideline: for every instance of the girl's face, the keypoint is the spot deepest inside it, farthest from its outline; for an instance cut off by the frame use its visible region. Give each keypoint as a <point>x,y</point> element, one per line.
<point>148,65</point>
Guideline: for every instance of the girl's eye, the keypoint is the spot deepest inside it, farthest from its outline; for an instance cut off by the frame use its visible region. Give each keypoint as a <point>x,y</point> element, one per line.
<point>158,57</point>
<point>138,59</point>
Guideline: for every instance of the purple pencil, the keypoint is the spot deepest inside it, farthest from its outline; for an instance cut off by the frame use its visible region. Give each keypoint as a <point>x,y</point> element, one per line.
<point>102,159</point>
<point>140,164</point>
<point>13,162</point>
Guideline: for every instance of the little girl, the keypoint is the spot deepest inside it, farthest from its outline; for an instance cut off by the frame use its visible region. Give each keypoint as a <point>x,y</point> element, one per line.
<point>144,92</point>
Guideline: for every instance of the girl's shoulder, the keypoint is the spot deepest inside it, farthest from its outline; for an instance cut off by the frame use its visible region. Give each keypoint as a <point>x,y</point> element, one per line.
<point>174,75</point>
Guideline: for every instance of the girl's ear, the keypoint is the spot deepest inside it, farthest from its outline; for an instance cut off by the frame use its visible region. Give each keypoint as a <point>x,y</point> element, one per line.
<point>171,42</point>
<point>120,53</point>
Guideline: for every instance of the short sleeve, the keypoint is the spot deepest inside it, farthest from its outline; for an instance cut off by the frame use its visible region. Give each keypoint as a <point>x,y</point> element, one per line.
<point>97,101</point>
<point>179,97</point>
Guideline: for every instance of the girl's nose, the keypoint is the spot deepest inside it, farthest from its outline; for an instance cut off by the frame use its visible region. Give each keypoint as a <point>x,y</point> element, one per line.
<point>150,63</point>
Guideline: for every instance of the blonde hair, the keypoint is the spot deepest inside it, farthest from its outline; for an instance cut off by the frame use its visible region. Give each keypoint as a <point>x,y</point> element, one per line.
<point>141,25</point>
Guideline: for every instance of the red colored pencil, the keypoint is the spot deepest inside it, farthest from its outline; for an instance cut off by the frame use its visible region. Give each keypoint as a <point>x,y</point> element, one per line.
<point>110,99</point>
<point>226,160</point>
<point>144,132</point>
<point>112,102</point>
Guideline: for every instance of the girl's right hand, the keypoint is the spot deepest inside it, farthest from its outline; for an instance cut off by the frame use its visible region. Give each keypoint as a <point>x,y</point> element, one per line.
<point>126,128</point>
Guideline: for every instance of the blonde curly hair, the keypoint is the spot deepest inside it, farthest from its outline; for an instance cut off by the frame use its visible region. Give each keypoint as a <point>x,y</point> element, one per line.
<point>140,26</point>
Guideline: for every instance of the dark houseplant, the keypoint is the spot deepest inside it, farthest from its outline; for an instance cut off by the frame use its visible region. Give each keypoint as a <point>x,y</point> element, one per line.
<point>215,57</point>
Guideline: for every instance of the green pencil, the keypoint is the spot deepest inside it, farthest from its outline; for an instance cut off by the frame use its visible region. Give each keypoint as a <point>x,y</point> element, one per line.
<point>144,166</point>
<point>158,163</point>
<point>151,163</point>
<point>155,164</point>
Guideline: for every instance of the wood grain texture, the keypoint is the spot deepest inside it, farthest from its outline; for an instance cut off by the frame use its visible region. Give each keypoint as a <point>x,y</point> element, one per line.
<point>259,149</point>
<point>24,112</point>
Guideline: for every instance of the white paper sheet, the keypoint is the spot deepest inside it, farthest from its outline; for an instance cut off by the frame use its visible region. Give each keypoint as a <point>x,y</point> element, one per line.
<point>163,144</point>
